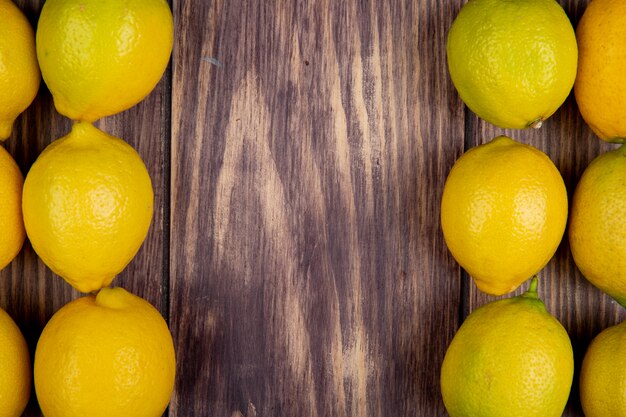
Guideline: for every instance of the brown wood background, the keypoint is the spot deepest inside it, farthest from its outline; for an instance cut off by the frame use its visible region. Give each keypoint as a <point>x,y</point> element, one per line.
<point>298,151</point>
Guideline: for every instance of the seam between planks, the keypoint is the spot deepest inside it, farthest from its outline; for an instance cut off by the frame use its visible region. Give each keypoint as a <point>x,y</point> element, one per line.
<point>167,185</point>
<point>463,275</point>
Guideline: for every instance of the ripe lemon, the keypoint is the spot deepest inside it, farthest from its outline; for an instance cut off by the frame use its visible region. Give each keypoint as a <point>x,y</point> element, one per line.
<point>105,355</point>
<point>509,358</point>
<point>11,223</point>
<point>503,213</point>
<point>15,370</point>
<point>19,72</point>
<point>597,233</point>
<point>603,374</point>
<point>102,57</point>
<point>87,205</point>
<point>512,62</point>
<point>600,87</point>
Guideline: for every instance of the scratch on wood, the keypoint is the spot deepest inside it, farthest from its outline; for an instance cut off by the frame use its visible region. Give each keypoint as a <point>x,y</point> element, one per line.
<point>212,60</point>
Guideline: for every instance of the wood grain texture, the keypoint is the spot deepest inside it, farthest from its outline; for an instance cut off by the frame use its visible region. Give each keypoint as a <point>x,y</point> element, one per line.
<point>309,158</point>
<point>298,151</point>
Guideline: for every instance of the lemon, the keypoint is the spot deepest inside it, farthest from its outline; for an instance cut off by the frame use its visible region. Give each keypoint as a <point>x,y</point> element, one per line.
<point>600,87</point>
<point>98,57</point>
<point>509,358</point>
<point>105,355</point>
<point>15,370</point>
<point>503,213</point>
<point>512,62</point>
<point>597,233</point>
<point>87,205</point>
<point>11,223</point>
<point>19,72</point>
<point>603,374</point>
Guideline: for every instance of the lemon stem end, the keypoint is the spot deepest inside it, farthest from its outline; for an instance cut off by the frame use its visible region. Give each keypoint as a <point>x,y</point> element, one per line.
<point>532,288</point>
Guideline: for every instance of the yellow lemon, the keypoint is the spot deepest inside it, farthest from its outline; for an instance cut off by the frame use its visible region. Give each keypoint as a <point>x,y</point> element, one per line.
<point>11,223</point>
<point>512,62</point>
<point>98,57</point>
<point>87,206</point>
<point>603,374</point>
<point>597,233</point>
<point>15,370</point>
<point>600,87</point>
<point>19,72</point>
<point>509,358</point>
<point>105,355</point>
<point>503,213</point>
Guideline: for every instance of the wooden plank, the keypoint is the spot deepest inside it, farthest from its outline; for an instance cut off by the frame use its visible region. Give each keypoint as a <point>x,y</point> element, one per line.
<point>582,309</point>
<point>146,127</point>
<point>310,145</point>
<point>28,290</point>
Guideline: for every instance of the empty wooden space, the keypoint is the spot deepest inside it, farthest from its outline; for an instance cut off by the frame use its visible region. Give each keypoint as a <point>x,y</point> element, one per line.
<point>298,151</point>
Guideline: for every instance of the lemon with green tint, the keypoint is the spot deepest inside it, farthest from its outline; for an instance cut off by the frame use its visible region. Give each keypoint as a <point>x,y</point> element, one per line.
<point>603,374</point>
<point>597,233</point>
<point>509,358</point>
<point>512,62</point>
<point>11,220</point>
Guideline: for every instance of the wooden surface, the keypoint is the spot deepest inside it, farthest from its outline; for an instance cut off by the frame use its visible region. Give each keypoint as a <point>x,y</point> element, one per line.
<point>298,152</point>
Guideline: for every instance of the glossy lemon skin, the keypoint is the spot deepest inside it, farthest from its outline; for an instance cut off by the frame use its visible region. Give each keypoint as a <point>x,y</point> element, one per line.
<point>509,358</point>
<point>15,368</point>
<point>99,58</point>
<point>597,233</point>
<point>105,355</point>
<point>11,222</point>
<point>87,206</point>
<point>512,62</point>
<point>600,87</point>
<point>603,374</point>
<point>503,213</point>
<point>19,71</point>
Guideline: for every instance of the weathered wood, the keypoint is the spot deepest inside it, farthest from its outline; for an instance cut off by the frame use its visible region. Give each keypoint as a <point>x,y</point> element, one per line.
<point>310,145</point>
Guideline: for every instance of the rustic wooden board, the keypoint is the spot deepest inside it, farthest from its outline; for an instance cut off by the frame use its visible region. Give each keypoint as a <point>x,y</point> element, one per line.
<point>309,276</point>
<point>298,152</point>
